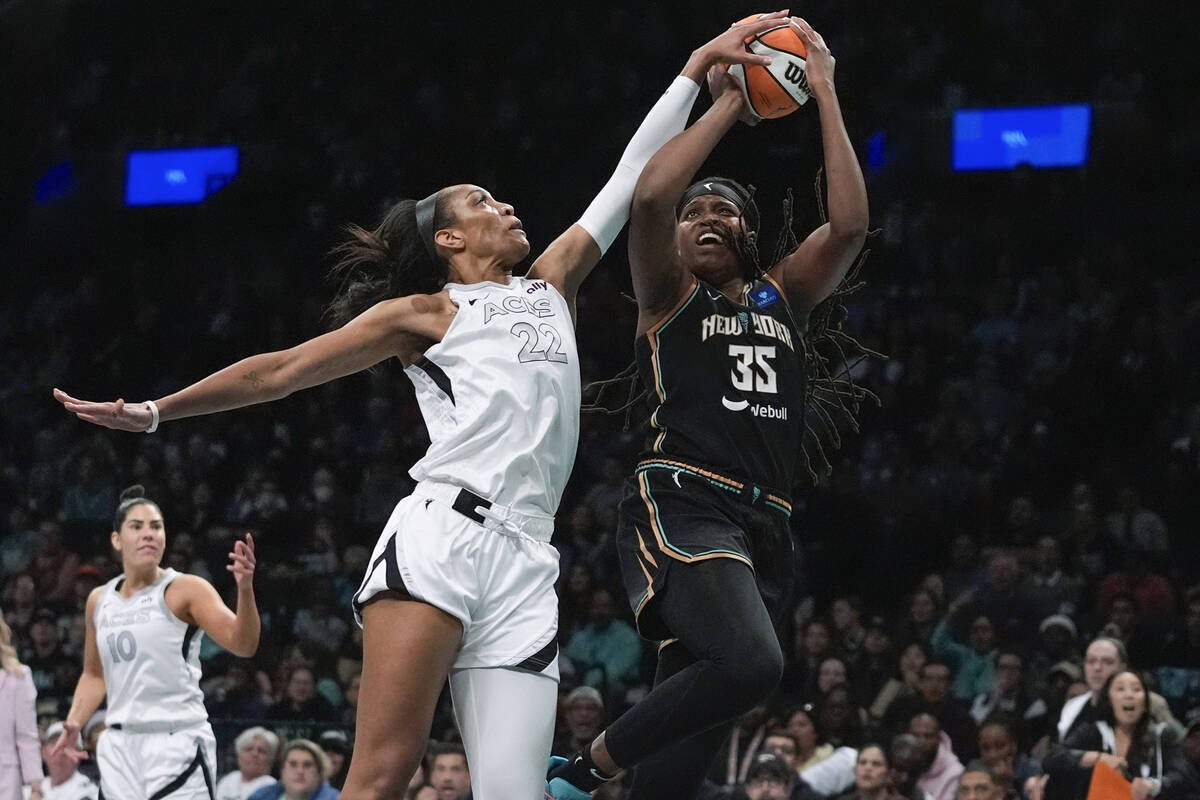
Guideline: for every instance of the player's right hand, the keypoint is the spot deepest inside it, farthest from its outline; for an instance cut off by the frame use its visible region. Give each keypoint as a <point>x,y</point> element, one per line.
<point>729,46</point>
<point>66,744</point>
<point>117,415</point>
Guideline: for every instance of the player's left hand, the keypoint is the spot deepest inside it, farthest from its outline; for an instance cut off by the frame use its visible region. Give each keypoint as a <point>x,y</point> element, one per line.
<point>720,82</point>
<point>242,563</point>
<point>819,62</point>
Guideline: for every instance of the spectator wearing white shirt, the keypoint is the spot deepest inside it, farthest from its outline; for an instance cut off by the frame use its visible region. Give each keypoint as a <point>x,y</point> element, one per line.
<point>63,780</point>
<point>256,749</point>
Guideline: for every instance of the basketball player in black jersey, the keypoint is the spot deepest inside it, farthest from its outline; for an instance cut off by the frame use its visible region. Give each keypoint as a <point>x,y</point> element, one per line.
<point>705,547</point>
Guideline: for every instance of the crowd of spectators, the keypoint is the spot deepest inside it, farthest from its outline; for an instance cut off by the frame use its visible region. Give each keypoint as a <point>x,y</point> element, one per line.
<point>1029,482</point>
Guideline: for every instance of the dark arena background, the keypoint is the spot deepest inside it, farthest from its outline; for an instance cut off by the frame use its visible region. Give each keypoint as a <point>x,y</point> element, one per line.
<point>1034,464</point>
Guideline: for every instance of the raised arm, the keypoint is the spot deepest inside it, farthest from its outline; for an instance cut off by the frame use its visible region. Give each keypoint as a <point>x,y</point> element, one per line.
<point>400,327</point>
<point>195,601</point>
<point>813,270</point>
<point>571,257</point>
<point>659,278</point>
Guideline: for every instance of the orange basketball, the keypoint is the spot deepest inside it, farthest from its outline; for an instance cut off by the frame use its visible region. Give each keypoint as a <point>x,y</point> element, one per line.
<point>780,88</point>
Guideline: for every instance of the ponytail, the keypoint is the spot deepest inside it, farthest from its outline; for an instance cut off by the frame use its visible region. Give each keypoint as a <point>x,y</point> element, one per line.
<point>392,260</point>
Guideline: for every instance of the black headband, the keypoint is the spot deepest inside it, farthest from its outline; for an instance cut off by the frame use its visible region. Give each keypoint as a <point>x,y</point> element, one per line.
<point>424,212</point>
<point>721,187</point>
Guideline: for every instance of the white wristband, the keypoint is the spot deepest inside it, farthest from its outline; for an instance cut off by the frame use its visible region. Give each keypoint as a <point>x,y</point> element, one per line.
<point>609,211</point>
<point>153,417</point>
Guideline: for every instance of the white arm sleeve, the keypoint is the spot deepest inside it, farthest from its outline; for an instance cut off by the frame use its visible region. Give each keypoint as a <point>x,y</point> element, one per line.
<point>609,211</point>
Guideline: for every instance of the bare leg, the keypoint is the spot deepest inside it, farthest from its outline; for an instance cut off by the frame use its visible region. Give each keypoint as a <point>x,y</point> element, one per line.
<point>408,648</point>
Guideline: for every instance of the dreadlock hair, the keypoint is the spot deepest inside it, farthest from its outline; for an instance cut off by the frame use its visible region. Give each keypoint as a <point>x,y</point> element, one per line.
<point>391,260</point>
<point>832,398</point>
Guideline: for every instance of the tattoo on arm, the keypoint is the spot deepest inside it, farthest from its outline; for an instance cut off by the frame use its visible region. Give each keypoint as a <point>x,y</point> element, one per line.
<point>254,379</point>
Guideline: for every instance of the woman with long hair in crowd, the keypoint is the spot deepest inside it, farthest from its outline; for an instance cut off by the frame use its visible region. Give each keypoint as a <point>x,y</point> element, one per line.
<point>142,651</point>
<point>20,753</point>
<point>461,583</point>
<point>872,776</point>
<point>1124,736</point>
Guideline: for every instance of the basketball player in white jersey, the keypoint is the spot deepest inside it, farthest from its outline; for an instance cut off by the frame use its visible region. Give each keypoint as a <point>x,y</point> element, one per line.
<point>142,650</point>
<point>462,579</point>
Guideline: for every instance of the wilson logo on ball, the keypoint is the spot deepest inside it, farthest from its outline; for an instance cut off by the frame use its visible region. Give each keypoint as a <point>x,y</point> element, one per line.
<point>778,89</point>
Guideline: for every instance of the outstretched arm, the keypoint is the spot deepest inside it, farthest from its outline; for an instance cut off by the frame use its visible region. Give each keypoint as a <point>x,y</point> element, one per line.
<point>393,327</point>
<point>813,270</point>
<point>571,257</point>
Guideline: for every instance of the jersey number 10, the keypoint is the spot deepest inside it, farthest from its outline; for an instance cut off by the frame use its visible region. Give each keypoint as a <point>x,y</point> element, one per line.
<point>122,646</point>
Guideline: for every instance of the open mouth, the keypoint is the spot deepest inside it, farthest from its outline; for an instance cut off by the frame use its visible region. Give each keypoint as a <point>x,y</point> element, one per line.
<point>711,238</point>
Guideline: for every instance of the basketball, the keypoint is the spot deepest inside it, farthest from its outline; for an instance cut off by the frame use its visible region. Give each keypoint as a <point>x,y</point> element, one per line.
<point>778,89</point>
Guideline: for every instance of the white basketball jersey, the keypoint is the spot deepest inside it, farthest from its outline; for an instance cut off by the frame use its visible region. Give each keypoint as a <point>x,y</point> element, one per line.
<point>151,658</point>
<point>500,395</point>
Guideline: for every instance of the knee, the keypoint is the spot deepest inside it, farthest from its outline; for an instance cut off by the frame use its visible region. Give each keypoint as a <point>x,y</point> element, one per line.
<point>755,672</point>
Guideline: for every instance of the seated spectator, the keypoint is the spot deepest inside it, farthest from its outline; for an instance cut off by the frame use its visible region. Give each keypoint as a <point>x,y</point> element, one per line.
<point>1134,576</point>
<point>940,780</point>
<point>972,664</point>
<point>337,745</point>
<point>848,630</point>
<point>924,611</point>
<point>729,768</point>
<point>872,776</point>
<point>302,775</point>
<point>606,651</point>
<point>45,658</point>
<point>769,778</point>
<point>979,782</point>
<point>1135,527</point>
<point>1057,642</point>
<point>811,647</point>
<point>1123,735</point>
<point>583,713</point>
<point>1183,774</point>
<point>256,749</point>
<point>318,626</point>
<point>1057,592</point>
<point>1009,695</point>
<point>301,709</point>
<point>783,744</point>
<point>63,779</point>
<point>909,760</point>
<point>1010,767</point>
<point>842,721</point>
<point>449,773</point>
<point>934,698</point>
<point>904,683</point>
<point>811,747</point>
<point>876,663</point>
<point>1179,676</point>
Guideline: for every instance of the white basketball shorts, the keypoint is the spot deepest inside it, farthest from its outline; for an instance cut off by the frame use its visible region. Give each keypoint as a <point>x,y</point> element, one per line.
<point>491,568</point>
<point>177,765</point>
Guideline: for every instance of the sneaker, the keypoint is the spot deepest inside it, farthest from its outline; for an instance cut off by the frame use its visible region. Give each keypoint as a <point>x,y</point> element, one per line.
<point>560,788</point>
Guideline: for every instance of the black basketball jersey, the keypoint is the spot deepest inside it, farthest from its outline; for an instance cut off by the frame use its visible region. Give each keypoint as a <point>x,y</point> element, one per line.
<point>726,384</point>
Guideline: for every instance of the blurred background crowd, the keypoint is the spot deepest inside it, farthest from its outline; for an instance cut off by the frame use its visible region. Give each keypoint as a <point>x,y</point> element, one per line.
<point>1030,481</point>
